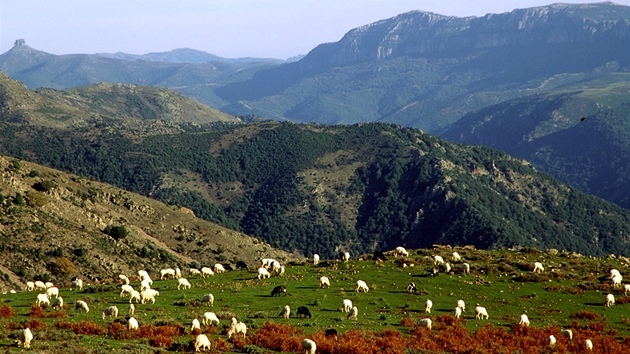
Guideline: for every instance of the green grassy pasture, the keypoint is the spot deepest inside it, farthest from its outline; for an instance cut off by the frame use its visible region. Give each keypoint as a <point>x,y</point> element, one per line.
<point>501,281</point>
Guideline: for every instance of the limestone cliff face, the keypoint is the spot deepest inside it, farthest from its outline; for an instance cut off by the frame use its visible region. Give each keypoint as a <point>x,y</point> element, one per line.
<point>420,33</point>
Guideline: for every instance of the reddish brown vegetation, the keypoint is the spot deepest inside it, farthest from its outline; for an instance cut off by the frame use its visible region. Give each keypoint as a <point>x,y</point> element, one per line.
<point>87,327</point>
<point>35,324</point>
<point>407,322</point>
<point>6,311</point>
<point>585,315</point>
<point>57,314</point>
<point>37,312</point>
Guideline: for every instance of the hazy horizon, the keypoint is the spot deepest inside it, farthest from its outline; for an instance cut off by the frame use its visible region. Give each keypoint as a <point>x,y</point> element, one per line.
<point>228,28</point>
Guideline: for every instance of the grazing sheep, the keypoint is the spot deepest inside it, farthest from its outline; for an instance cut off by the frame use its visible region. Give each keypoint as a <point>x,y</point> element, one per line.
<point>425,322</point>
<point>614,273</point>
<point>456,257</point>
<point>208,298</point>
<point>353,313</point>
<point>324,282</point>
<point>26,337</point>
<point>178,273</point>
<point>552,340</point>
<point>458,312</point>
<point>282,270</point>
<point>303,311</point>
<point>428,305</point>
<point>309,346</point>
<point>588,344</point>
<point>616,282</point>
<point>263,273</point>
<point>411,288</point>
<point>132,309</point>
<point>626,289</point>
<point>202,343</point>
<point>267,263</point>
<point>77,283</point>
<point>538,267</point>
<point>42,300</point>
<point>481,313</point>
<point>218,268</point>
<point>241,265</point>
<point>39,285</point>
<point>568,333</point>
<point>147,280</point>
<point>144,285</point>
<point>331,332</point>
<point>30,286</point>
<point>447,267</point>
<point>237,327</point>
<point>346,305</point>
<point>135,295</point>
<point>52,291</point>
<point>285,312</point>
<point>345,256</point>
<point>361,286</point>
<point>610,300</point>
<point>183,282</point>
<point>466,268</point>
<point>132,323</point>
<point>206,271</point>
<point>209,317</point>
<point>123,279</point>
<point>379,256</point>
<point>165,273</point>
<point>143,273</point>
<point>195,271</point>
<point>80,304</point>
<point>276,267</point>
<point>315,259</point>
<point>125,290</point>
<point>280,289</point>
<point>195,325</point>
<point>148,295</point>
<point>57,303</point>
<point>400,252</point>
<point>48,284</point>
<point>111,311</point>
<point>438,260</point>
<point>524,320</point>
<point>461,304</point>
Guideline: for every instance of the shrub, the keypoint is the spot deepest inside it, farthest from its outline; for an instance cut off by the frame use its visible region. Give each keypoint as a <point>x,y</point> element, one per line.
<point>6,311</point>
<point>37,312</point>
<point>44,186</point>
<point>116,231</point>
<point>585,315</point>
<point>35,324</point>
<point>161,341</point>
<point>87,327</point>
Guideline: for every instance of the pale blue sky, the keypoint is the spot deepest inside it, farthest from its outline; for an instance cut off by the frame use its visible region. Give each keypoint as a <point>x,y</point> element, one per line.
<point>228,28</point>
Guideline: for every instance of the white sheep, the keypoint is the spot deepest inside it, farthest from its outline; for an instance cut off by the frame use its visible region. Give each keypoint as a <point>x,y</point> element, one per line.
<point>568,333</point>
<point>263,273</point>
<point>195,271</point>
<point>616,282</point>
<point>466,268</point>
<point>77,283</point>
<point>481,313</point>
<point>614,273</point>
<point>524,320</point>
<point>178,273</point>
<point>276,266</point>
<point>195,325</point>
<point>218,268</point>
<point>202,342</point>
<point>324,282</point>
<point>361,286</point>
<point>164,273</point>
<point>125,289</point>
<point>148,295</point>
<point>267,262</point>
<point>135,295</point>
<point>183,282</point>
<point>428,305</point>
<point>236,328</point>
<point>143,273</point>
<point>48,284</point>
<point>458,312</point>
<point>80,304</point>
<point>626,289</point>
<point>447,267</point>
<point>52,291</point>
<point>456,257</point>
<point>353,313</point>
<point>315,259</point>
<point>39,285</point>
<point>30,286</point>
<point>400,252</point>
<point>282,270</point>
<point>610,300</point>
<point>309,346</point>
<point>147,279</point>
<point>111,311</point>
<point>209,317</point>
<point>132,323</point>
<point>346,305</point>
<point>132,309</point>
<point>123,279</point>
<point>208,298</point>
<point>425,322</point>
<point>26,337</point>
<point>461,304</point>
<point>552,340</point>
<point>42,300</point>
<point>57,303</point>
<point>345,256</point>
<point>437,259</point>
<point>538,267</point>
<point>411,288</point>
<point>206,271</point>
<point>285,312</point>
<point>144,285</point>
<point>588,344</point>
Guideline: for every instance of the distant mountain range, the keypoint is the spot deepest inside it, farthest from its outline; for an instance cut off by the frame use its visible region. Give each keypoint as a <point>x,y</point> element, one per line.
<point>187,55</point>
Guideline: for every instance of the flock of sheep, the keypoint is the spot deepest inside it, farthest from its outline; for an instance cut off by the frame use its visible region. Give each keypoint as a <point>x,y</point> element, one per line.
<point>146,294</point>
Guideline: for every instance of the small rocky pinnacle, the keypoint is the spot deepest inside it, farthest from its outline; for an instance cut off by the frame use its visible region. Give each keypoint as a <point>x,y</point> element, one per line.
<point>19,42</point>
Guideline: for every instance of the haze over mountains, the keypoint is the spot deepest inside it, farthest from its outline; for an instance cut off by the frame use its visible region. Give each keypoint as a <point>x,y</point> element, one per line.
<point>520,82</point>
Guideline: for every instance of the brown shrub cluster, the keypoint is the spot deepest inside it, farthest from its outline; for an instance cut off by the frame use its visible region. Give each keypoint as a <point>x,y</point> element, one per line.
<point>35,324</point>
<point>87,328</point>
<point>37,312</point>
<point>6,311</point>
<point>585,315</point>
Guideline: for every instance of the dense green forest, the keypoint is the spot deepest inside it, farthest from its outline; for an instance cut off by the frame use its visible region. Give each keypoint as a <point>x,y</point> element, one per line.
<point>320,189</point>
